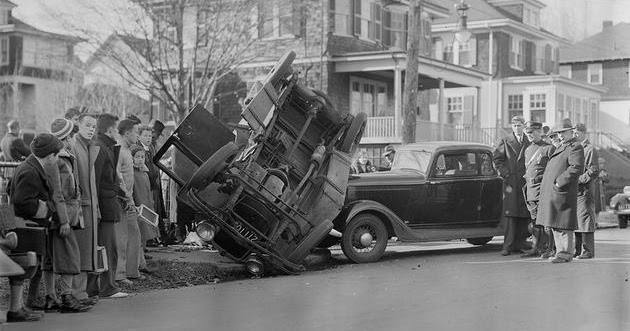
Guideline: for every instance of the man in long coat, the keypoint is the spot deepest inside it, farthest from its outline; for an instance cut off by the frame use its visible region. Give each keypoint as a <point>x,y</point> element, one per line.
<point>558,198</point>
<point>86,152</point>
<point>509,160</point>
<point>536,158</point>
<point>585,234</point>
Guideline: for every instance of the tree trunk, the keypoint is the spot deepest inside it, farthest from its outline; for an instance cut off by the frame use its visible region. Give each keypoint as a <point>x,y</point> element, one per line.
<point>411,74</point>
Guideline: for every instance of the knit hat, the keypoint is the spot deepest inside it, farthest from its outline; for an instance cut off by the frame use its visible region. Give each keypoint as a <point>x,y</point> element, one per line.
<point>61,128</point>
<point>45,144</point>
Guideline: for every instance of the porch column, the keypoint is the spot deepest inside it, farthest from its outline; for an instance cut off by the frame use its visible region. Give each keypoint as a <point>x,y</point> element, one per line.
<point>476,116</point>
<point>397,99</point>
<point>441,115</point>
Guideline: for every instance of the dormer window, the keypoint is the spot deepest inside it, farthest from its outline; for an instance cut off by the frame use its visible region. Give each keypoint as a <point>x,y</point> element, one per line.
<point>4,16</point>
<point>531,16</point>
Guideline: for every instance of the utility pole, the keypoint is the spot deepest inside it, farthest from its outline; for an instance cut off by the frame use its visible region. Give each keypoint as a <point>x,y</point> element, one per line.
<point>411,73</point>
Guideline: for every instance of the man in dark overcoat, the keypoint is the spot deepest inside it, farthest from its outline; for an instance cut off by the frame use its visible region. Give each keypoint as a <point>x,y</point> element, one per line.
<point>585,234</point>
<point>558,197</point>
<point>536,157</point>
<point>509,160</point>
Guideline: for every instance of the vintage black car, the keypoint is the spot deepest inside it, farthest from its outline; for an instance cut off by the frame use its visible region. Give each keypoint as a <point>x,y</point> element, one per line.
<point>620,204</point>
<point>434,191</point>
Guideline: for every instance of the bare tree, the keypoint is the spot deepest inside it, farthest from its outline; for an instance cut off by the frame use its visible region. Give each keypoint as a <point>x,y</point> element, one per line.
<point>176,50</point>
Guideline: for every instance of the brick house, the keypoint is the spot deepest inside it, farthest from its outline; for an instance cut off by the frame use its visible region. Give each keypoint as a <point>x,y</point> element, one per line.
<point>604,60</point>
<point>37,79</point>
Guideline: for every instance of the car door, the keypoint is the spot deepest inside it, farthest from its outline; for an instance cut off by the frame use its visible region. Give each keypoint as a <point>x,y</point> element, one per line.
<point>452,191</point>
<point>491,202</point>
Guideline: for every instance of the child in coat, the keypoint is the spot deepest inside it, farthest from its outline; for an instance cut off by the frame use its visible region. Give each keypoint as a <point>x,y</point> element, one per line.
<point>142,194</point>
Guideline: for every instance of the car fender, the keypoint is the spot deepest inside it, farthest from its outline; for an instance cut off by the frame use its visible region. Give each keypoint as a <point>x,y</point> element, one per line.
<point>395,225</point>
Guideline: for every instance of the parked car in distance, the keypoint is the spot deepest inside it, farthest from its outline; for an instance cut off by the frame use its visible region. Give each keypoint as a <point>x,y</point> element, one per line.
<point>620,204</point>
<point>434,191</point>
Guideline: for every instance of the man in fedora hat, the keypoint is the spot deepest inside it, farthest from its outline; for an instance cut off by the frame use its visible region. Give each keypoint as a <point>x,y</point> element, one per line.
<point>389,154</point>
<point>536,157</point>
<point>558,197</point>
<point>509,160</point>
<point>585,234</point>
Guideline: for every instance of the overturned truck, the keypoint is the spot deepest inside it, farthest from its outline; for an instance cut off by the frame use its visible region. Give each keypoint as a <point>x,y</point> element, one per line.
<point>269,201</point>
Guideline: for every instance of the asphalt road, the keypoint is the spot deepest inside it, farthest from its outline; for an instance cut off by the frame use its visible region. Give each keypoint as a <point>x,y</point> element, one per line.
<point>437,286</point>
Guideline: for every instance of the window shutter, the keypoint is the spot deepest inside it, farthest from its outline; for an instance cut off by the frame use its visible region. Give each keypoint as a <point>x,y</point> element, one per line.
<point>357,20</point>
<point>331,15</point>
<point>406,29</point>
<point>468,109</point>
<point>299,18</point>
<point>472,44</point>
<point>439,49</point>
<point>528,56</point>
<point>548,64</point>
<point>387,24</point>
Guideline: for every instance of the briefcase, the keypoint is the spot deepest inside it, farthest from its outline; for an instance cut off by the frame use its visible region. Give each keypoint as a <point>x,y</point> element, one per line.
<point>31,239</point>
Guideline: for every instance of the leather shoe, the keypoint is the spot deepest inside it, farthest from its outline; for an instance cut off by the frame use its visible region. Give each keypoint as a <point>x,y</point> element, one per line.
<point>584,257</point>
<point>89,301</point>
<point>505,252</point>
<point>70,304</point>
<point>531,253</point>
<point>22,315</point>
<point>547,254</point>
<point>52,304</point>
<point>558,260</point>
<point>37,304</point>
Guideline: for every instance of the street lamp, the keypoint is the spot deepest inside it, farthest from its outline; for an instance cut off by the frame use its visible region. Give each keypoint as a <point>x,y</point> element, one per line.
<point>462,35</point>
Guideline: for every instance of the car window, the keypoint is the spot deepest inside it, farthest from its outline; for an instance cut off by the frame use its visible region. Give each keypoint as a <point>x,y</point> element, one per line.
<point>486,165</point>
<point>463,164</point>
<point>412,160</point>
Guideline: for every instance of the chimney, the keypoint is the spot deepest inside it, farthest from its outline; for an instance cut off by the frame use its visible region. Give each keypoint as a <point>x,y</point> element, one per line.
<point>606,25</point>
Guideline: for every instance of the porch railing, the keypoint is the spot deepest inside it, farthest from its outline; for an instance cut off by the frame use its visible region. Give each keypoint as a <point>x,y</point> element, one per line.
<point>383,126</point>
<point>428,131</point>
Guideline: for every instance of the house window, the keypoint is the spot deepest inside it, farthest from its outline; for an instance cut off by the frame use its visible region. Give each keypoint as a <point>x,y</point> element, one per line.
<point>540,58</point>
<point>467,53</point>
<point>376,25</point>
<point>515,106</point>
<point>538,107</point>
<point>4,51</point>
<point>566,71</point>
<point>361,19</point>
<point>447,54</point>
<point>595,73</point>
<point>395,30</point>
<point>341,14</point>
<point>455,109</point>
<point>585,110</point>
<point>560,107</point>
<point>369,97</point>
<point>276,19</point>
<point>516,53</point>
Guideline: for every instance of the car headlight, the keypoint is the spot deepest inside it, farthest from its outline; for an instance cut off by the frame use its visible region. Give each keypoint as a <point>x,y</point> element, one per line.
<point>206,230</point>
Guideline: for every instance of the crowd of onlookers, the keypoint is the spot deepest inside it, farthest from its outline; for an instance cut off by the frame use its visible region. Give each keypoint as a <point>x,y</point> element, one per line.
<point>85,182</point>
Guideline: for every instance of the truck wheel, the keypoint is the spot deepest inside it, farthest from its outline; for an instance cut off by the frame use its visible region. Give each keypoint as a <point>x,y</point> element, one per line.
<point>479,241</point>
<point>623,221</point>
<point>364,239</point>
<point>353,136</point>
<point>220,160</point>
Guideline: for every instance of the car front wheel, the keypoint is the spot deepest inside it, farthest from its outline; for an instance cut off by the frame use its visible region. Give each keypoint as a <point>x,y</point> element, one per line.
<point>479,241</point>
<point>364,239</point>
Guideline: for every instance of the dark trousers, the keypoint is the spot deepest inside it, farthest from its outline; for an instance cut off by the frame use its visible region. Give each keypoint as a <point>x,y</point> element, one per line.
<point>515,232</point>
<point>585,243</point>
<point>104,284</point>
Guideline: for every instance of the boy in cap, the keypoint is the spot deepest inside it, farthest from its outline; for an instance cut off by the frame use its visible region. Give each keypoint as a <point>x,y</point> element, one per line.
<point>509,160</point>
<point>558,196</point>
<point>537,155</point>
<point>585,234</point>
<point>389,154</point>
<point>34,191</point>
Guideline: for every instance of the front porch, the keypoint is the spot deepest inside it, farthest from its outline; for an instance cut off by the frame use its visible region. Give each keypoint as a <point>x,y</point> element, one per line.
<point>384,108</point>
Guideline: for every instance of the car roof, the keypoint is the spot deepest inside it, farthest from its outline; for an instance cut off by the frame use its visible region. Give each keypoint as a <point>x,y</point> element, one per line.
<point>434,146</point>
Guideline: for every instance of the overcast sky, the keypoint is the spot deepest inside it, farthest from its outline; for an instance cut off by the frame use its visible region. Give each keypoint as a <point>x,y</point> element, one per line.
<point>563,17</point>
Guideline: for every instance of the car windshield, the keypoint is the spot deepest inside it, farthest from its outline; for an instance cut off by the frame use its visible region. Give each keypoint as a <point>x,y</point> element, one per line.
<point>411,160</point>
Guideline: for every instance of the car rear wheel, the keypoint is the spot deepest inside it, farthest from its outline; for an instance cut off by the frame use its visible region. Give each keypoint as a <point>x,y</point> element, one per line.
<point>364,239</point>
<point>623,221</point>
<point>220,160</point>
<point>479,241</point>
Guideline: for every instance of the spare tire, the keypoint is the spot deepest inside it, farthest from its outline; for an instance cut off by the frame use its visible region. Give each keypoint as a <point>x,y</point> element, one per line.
<point>220,160</point>
<point>354,133</point>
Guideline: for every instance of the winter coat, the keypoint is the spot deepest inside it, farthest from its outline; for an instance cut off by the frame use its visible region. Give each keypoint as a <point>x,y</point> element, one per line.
<point>142,195</point>
<point>13,147</point>
<point>536,157</point>
<point>587,183</point>
<point>107,180</point>
<point>68,175</point>
<point>29,186</point>
<point>86,153</point>
<point>509,160</point>
<point>558,197</point>
<point>125,169</point>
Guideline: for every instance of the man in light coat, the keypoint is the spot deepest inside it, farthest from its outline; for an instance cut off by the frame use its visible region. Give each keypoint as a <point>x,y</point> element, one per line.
<point>558,198</point>
<point>536,157</point>
<point>585,234</point>
<point>509,160</point>
<point>85,151</point>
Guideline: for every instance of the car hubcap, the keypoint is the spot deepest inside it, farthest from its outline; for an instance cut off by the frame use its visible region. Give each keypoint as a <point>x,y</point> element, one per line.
<point>364,239</point>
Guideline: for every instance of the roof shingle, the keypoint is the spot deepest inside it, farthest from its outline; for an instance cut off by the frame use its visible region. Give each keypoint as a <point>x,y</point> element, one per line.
<point>611,44</point>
